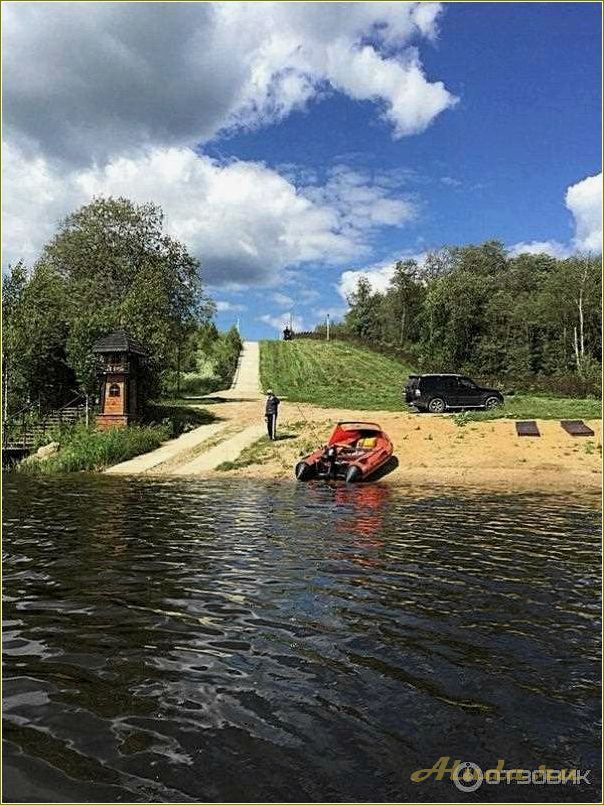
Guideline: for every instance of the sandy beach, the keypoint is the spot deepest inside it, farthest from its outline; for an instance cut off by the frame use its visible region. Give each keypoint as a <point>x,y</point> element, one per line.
<point>430,450</point>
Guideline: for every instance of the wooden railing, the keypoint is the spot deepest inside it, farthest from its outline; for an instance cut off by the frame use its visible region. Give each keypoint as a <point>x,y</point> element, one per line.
<point>25,427</point>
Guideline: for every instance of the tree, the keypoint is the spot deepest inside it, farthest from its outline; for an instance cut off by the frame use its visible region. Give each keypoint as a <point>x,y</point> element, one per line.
<point>403,302</point>
<point>474,308</point>
<point>363,318</point>
<point>34,335</point>
<point>121,270</point>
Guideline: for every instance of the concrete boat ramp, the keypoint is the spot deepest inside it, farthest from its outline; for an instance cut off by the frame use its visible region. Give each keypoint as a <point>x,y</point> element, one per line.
<point>201,450</point>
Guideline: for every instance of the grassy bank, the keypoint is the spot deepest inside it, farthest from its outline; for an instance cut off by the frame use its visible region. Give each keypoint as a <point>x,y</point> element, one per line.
<point>257,453</point>
<point>340,375</point>
<point>521,406</point>
<point>83,448</point>
<point>332,374</point>
<point>86,449</point>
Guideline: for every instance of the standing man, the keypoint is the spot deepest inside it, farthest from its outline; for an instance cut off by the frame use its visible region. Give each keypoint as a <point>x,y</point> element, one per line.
<point>270,413</point>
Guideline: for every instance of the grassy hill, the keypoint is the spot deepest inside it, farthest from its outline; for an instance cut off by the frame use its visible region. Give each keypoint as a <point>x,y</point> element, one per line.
<point>333,374</point>
<point>339,375</point>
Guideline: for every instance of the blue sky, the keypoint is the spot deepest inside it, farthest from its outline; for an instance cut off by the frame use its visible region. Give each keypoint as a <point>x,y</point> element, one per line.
<point>287,158</point>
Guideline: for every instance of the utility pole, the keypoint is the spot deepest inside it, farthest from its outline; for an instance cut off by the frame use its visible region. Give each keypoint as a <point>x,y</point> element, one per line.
<point>328,326</point>
<point>237,325</point>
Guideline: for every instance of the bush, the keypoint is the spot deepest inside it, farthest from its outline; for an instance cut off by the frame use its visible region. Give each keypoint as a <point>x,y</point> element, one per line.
<point>195,384</point>
<point>86,449</point>
<point>558,385</point>
<point>177,418</point>
<point>215,358</point>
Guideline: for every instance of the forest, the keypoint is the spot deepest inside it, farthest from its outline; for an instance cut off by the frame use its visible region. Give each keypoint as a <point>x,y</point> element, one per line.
<point>531,320</point>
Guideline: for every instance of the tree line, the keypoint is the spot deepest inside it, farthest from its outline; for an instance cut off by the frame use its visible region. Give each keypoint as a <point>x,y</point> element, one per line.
<point>109,266</point>
<point>477,310</point>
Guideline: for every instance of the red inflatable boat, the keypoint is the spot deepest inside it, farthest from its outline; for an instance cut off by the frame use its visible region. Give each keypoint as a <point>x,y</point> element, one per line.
<point>355,451</point>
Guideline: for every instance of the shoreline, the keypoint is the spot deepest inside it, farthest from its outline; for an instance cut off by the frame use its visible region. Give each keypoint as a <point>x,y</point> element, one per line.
<point>431,450</point>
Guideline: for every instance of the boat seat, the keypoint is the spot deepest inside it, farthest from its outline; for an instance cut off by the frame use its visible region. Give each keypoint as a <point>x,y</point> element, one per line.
<point>366,443</point>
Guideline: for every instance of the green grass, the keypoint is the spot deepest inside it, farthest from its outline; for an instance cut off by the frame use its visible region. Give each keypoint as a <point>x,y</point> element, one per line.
<point>340,375</point>
<point>83,448</point>
<point>86,449</point>
<point>332,374</point>
<point>257,453</point>
<point>194,384</point>
<point>523,406</point>
<point>178,416</point>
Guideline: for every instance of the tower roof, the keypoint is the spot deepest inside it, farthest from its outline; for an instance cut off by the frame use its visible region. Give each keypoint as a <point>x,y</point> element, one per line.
<point>118,341</point>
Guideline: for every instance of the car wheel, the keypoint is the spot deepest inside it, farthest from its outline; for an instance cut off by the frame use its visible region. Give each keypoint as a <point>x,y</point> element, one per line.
<point>492,402</point>
<point>436,405</point>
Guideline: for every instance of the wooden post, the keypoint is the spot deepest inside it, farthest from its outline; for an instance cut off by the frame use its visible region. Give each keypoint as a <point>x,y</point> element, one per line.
<point>328,327</point>
<point>5,388</point>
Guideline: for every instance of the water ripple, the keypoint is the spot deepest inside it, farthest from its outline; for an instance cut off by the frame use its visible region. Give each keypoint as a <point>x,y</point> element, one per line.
<point>254,642</point>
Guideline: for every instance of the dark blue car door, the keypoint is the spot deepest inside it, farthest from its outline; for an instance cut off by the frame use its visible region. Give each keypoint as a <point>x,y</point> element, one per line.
<point>468,393</point>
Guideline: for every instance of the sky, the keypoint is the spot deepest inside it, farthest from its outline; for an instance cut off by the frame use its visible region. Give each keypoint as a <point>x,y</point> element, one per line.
<point>297,146</point>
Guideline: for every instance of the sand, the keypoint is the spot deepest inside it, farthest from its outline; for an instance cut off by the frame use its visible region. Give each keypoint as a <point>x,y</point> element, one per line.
<point>431,450</point>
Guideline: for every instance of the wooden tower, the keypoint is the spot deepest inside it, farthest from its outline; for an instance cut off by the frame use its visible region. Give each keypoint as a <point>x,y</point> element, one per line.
<point>121,360</point>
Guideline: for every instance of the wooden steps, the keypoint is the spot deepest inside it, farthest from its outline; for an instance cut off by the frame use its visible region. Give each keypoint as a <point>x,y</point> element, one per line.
<point>576,427</point>
<point>527,428</point>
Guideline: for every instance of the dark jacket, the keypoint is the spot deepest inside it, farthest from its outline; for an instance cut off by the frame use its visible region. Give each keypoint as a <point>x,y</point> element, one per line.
<point>272,403</point>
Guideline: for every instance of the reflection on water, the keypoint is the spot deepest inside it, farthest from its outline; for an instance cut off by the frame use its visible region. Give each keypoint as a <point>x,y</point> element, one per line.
<point>262,642</point>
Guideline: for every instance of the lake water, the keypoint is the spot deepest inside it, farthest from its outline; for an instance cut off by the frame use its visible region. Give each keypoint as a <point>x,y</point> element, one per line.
<point>242,641</point>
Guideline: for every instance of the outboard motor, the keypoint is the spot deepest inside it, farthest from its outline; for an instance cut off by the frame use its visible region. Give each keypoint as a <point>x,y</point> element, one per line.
<point>353,475</point>
<point>331,455</point>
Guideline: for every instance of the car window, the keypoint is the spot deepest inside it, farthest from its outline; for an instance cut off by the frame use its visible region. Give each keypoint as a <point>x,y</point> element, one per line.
<point>466,383</point>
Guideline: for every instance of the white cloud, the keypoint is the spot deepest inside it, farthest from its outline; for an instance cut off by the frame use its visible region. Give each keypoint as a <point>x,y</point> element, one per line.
<point>379,275</point>
<point>551,247</point>
<point>449,181</point>
<point>364,201</point>
<point>283,320</point>
<point>88,81</point>
<point>222,306</point>
<point>334,312</point>
<point>584,200</point>
<point>308,295</point>
<point>282,299</point>
<point>245,221</point>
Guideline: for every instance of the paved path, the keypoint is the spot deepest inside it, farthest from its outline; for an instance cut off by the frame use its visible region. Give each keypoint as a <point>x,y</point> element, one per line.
<point>246,383</point>
<point>228,450</point>
<point>183,445</point>
<point>175,457</point>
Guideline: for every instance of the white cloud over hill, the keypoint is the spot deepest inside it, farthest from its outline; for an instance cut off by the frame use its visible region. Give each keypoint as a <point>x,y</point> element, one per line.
<point>244,220</point>
<point>584,201</point>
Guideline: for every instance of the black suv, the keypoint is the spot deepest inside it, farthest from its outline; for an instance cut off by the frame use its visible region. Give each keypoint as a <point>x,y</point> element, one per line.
<point>436,393</point>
